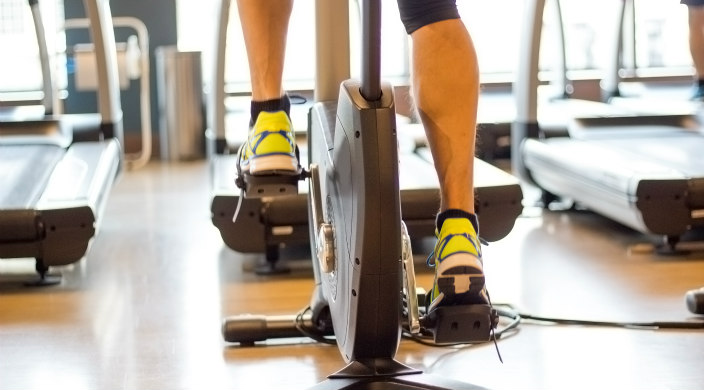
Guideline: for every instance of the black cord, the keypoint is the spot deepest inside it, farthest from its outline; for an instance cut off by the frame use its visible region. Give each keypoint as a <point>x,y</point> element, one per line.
<point>629,325</point>
<point>516,318</point>
<point>312,333</point>
<point>694,325</point>
<point>508,311</point>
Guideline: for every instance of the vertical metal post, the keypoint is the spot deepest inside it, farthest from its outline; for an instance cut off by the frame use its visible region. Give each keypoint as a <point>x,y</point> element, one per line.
<point>332,48</point>
<point>216,97</point>
<point>610,82</point>
<point>562,66</point>
<point>371,50</point>
<point>50,98</point>
<point>526,84</point>
<point>633,53</point>
<point>103,36</point>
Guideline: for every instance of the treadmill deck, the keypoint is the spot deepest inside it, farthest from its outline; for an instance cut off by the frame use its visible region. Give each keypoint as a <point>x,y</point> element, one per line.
<point>52,198</point>
<point>650,178</point>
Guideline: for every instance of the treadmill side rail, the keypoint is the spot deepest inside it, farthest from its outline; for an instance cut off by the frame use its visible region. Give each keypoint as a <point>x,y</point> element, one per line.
<point>75,198</point>
<point>67,214</point>
<point>83,177</point>
<point>646,196</point>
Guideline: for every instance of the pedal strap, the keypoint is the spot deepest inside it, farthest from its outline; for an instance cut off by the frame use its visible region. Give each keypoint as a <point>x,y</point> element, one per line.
<point>461,323</point>
<point>269,185</point>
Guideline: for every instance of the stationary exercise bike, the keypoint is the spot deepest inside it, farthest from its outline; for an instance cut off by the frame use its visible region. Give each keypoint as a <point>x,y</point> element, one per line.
<point>365,291</point>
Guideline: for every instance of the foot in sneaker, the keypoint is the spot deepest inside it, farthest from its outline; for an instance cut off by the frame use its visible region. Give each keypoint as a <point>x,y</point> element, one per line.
<point>459,274</point>
<point>270,146</point>
<point>697,93</point>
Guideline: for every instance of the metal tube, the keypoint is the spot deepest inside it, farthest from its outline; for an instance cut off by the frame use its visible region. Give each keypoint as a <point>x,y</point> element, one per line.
<point>103,35</point>
<point>562,70</point>
<point>526,84</point>
<point>50,99</point>
<point>371,50</point>
<point>216,97</point>
<point>250,328</point>
<point>610,83</point>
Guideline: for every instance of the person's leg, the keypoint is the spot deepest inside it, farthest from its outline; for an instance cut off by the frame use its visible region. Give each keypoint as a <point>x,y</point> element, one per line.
<point>696,46</point>
<point>446,91</point>
<point>445,83</point>
<point>270,146</point>
<point>265,27</point>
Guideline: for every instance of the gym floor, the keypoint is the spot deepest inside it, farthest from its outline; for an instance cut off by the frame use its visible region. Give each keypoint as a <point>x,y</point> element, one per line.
<point>143,310</point>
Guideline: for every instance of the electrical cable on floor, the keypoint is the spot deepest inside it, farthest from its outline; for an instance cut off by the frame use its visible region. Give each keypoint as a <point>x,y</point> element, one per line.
<point>515,318</point>
<point>692,325</point>
<point>310,332</point>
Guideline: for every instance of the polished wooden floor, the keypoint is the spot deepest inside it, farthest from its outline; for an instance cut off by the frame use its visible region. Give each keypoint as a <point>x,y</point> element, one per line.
<point>143,310</point>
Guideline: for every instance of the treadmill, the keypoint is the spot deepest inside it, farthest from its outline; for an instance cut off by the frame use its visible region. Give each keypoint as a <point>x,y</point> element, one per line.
<point>265,225</point>
<point>638,167</point>
<point>54,189</point>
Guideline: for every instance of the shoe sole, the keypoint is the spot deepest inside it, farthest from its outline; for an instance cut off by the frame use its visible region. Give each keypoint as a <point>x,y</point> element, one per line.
<point>278,164</point>
<point>461,280</point>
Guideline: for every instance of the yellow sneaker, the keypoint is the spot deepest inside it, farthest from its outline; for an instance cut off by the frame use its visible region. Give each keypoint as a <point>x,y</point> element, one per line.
<point>270,146</point>
<point>459,274</point>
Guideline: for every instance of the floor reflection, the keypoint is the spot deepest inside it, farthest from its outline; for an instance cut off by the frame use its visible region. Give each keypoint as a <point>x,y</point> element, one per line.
<point>144,308</point>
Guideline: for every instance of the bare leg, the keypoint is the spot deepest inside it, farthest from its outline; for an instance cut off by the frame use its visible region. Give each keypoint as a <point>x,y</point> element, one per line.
<point>446,92</point>
<point>696,38</point>
<point>265,27</point>
<point>270,146</point>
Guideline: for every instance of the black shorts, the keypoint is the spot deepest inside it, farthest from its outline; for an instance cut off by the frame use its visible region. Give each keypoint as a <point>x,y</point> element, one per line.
<point>418,13</point>
<point>695,3</point>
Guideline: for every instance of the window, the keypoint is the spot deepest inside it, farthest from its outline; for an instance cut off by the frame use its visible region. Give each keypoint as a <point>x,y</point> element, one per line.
<point>661,36</point>
<point>300,50</point>
<point>20,69</point>
<point>658,41</point>
<point>13,17</point>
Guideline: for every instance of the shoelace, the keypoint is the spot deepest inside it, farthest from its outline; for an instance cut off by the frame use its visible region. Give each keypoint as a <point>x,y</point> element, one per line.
<point>493,330</point>
<point>430,260</point>
<point>265,133</point>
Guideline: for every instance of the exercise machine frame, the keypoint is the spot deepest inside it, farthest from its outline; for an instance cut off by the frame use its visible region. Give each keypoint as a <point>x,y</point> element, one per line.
<point>51,204</point>
<point>364,278</point>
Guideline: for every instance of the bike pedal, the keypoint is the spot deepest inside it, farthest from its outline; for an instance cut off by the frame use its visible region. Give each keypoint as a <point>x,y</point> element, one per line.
<point>461,323</point>
<point>260,186</point>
